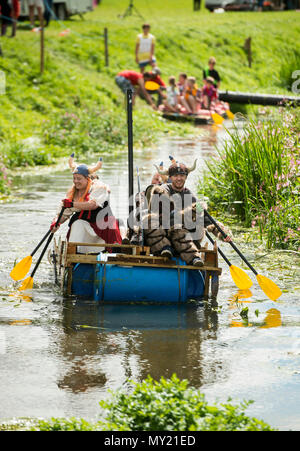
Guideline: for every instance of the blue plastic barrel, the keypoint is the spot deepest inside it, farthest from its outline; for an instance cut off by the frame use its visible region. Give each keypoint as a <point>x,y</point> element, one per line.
<point>114,283</point>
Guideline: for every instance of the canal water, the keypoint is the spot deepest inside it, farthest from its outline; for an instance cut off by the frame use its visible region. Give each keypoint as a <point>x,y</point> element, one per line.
<point>59,357</point>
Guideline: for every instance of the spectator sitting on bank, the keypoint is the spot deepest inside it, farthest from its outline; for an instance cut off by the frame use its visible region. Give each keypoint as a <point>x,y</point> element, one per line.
<point>144,49</point>
<point>171,102</point>
<point>208,93</point>
<point>210,71</point>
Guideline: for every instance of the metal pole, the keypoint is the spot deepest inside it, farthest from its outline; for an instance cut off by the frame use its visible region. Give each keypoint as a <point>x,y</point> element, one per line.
<point>106,46</point>
<point>130,149</point>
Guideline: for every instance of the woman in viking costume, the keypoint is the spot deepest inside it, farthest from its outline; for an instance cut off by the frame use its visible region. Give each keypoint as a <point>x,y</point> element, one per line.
<point>174,221</point>
<point>87,207</point>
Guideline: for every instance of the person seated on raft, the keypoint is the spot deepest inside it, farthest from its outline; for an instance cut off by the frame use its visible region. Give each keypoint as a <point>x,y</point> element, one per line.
<point>133,235</point>
<point>87,206</point>
<point>181,86</point>
<point>171,103</point>
<point>191,96</point>
<point>208,93</point>
<point>172,225</point>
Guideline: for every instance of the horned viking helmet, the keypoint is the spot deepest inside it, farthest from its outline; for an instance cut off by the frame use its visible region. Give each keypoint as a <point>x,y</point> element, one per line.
<point>83,169</point>
<point>177,168</point>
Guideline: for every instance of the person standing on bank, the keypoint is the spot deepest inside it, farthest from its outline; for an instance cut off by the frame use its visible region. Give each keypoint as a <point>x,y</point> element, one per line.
<point>144,49</point>
<point>211,71</point>
<point>87,207</point>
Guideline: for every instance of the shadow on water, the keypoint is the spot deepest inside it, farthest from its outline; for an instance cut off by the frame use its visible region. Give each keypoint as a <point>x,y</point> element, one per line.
<point>144,339</point>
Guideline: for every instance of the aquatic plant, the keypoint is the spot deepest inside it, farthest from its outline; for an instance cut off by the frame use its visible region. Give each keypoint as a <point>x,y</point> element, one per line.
<point>256,177</point>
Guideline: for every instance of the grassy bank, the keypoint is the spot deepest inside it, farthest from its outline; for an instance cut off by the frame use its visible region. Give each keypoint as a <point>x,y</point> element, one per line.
<point>76,106</point>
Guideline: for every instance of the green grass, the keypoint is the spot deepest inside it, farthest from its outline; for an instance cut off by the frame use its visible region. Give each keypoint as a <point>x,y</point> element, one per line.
<point>76,106</point>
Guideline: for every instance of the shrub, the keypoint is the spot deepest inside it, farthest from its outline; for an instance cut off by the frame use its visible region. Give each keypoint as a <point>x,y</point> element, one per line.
<point>170,405</point>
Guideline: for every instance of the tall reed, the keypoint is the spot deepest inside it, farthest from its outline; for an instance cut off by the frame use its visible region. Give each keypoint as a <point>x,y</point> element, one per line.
<point>256,177</point>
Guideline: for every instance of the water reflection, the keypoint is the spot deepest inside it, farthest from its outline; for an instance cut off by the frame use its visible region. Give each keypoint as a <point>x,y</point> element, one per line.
<point>145,339</point>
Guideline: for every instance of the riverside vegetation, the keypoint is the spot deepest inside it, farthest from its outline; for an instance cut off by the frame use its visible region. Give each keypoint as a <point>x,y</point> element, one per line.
<point>256,177</point>
<point>164,405</point>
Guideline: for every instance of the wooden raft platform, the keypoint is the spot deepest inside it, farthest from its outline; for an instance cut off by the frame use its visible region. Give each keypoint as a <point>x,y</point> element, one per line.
<point>66,256</point>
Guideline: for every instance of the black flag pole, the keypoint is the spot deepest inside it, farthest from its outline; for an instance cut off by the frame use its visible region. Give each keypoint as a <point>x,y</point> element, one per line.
<point>130,149</point>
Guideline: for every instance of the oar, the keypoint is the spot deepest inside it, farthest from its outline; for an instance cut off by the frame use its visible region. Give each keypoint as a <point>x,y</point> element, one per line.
<point>240,278</point>
<point>217,118</point>
<point>268,286</point>
<point>22,267</point>
<point>230,114</point>
<point>28,283</point>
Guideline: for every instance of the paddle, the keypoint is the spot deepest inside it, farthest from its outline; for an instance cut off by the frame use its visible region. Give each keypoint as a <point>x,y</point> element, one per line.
<point>268,286</point>
<point>230,114</point>
<point>151,85</point>
<point>28,283</point>
<point>240,278</point>
<point>22,267</point>
<point>217,118</point>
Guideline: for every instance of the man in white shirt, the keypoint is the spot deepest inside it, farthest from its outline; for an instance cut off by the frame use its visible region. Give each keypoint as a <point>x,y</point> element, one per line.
<point>144,49</point>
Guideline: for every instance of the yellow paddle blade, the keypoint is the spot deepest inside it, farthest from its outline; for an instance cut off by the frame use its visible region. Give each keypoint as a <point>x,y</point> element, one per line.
<point>217,118</point>
<point>230,115</point>
<point>269,287</point>
<point>27,284</point>
<point>240,278</point>
<point>21,268</point>
<point>151,86</point>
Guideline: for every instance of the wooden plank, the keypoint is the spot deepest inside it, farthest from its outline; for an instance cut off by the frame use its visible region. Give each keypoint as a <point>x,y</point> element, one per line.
<point>124,246</point>
<point>91,259</point>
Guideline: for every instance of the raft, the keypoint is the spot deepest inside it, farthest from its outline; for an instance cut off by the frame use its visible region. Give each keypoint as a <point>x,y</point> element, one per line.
<point>202,117</point>
<point>130,274</point>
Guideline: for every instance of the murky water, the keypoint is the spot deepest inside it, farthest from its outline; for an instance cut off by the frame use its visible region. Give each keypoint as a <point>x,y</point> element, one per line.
<point>59,357</point>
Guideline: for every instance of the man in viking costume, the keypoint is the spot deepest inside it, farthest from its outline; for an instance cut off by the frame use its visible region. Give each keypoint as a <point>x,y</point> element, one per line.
<point>87,207</point>
<point>174,222</point>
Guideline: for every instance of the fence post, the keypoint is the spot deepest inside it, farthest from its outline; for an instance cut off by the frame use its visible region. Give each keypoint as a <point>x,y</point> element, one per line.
<point>106,46</point>
<point>42,48</point>
<point>247,47</point>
